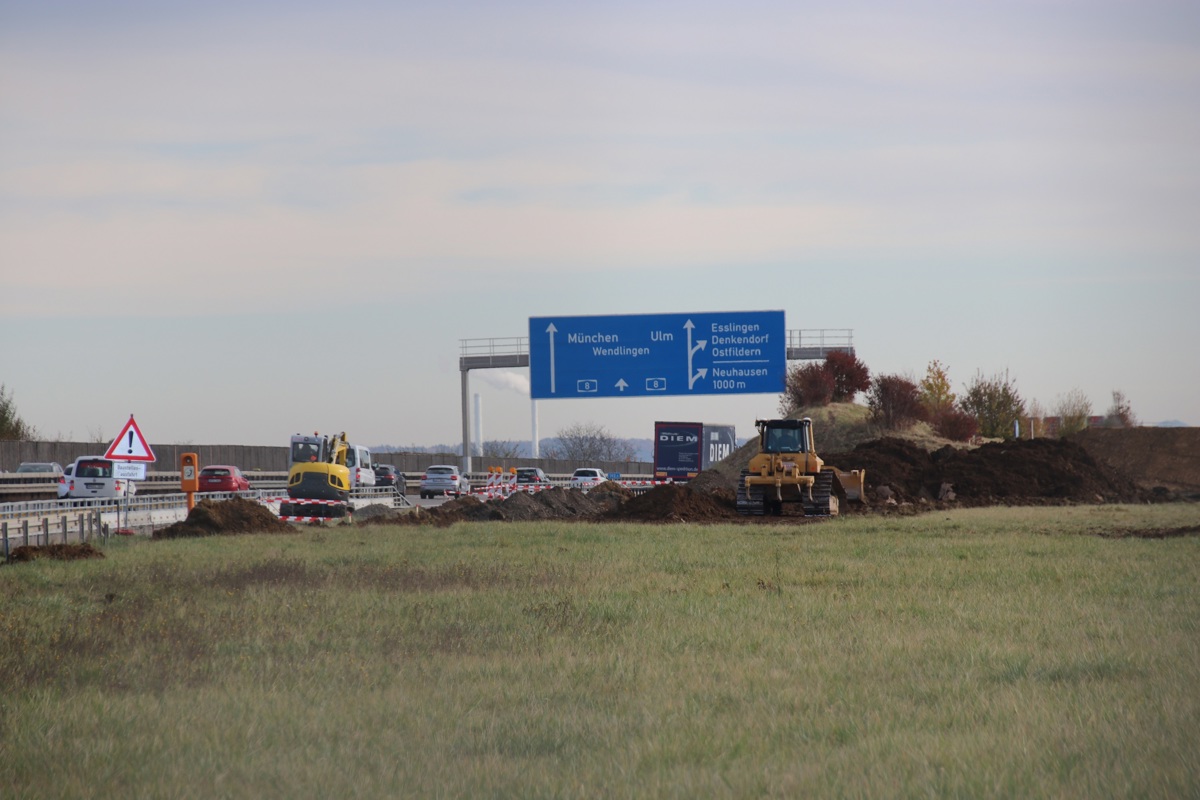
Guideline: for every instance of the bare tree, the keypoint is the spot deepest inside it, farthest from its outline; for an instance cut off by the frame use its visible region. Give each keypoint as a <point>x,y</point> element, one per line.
<point>586,441</point>
<point>1072,410</point>
<point>1120,413</point>
<point>502,448</point>
<point>1037,419</point>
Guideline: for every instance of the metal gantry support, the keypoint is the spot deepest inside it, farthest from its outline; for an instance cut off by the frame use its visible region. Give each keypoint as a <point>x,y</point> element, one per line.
<point>803,344</point>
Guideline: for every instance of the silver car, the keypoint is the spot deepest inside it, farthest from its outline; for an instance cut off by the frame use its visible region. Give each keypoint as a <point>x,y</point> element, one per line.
<point>442,479</point>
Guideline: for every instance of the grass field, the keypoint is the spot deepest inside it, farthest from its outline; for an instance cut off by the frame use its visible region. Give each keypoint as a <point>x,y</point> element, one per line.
<point>975,653</point>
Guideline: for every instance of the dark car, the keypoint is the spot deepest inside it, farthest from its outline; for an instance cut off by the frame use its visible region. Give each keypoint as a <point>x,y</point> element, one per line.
<point>223,478</point>
<point>531,475</point>
<point>52,468</point>
<point>387,475</point>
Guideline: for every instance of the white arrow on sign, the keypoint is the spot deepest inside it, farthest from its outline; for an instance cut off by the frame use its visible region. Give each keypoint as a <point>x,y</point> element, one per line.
<point>621,385</point>
<point>700,345</point>
<point>550,329</point>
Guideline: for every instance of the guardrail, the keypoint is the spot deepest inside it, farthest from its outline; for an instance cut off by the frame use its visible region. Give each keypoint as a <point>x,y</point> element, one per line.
<point>53,521</point>
<point>14,489</point>
<point>49,530</point>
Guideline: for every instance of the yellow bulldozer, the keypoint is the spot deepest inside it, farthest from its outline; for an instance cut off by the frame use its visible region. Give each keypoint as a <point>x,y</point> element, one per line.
<point>788,470</point>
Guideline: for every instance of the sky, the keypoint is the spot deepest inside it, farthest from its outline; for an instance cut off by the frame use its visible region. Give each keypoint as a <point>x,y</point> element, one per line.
<point>240,221</point>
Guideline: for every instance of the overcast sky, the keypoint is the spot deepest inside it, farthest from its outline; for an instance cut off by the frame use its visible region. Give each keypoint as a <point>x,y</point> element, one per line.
<point>238,221</point>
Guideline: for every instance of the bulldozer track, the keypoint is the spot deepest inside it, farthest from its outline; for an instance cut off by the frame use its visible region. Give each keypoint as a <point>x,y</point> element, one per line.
<point>750,502</point>
<point>821,504</point>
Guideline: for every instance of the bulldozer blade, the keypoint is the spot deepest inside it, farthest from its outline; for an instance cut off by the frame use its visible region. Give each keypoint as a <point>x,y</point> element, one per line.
<point>851,484</point>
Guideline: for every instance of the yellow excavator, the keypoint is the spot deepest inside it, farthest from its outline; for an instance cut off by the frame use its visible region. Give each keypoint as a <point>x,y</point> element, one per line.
<point>318,483</point>
<point>788,470</point>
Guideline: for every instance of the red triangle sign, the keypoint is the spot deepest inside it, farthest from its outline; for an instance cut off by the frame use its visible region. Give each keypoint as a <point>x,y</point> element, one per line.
<point>130,445</point>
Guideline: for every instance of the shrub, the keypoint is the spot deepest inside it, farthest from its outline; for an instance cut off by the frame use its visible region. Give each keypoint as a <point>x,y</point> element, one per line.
<point>807,385</point>
<point>894,402</point>
<point>1072,410</point>
<point>955,425</point>
<point>934,390</point>
<point>995,404</point>
<point>11,425</point>
<point>850,376</point>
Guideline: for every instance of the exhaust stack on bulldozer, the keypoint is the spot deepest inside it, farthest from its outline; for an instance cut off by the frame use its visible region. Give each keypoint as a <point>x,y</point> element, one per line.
<point>788,470</point>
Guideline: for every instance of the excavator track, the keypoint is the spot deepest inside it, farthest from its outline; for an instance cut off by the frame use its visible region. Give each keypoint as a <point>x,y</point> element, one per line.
<point>823,503</point>
<point>749,502</point>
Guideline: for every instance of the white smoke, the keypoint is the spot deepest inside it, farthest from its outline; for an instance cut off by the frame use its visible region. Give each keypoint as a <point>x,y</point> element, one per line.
<point>505,380</point>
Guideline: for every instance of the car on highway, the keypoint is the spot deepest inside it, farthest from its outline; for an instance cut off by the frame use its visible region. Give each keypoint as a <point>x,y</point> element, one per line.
<point>586,478</point>
<point>531,476</point>
<point>39,467</point>
<point>388,475</point>
<point>223,478</point>
<point>92,476</point>
<point>358,461</point>
<point>443,479</point>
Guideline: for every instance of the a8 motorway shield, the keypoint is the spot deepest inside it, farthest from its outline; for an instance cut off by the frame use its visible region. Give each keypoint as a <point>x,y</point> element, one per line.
<point>645,355</point>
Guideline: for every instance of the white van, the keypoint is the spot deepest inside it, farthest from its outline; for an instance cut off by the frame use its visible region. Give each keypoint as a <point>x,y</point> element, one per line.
<point>92,476</point>
<point>362,471</point>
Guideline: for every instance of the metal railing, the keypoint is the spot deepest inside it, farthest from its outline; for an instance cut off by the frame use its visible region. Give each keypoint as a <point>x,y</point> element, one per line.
<point>47,530</point>
<point>502,346</point>
<point>821,339</point>
<point>799,340</point>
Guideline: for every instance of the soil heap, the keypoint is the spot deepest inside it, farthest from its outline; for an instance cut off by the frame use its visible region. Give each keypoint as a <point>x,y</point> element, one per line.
<point>225,517</point>
<point>1030,472</point>
<point>676,502</point>
<point>1165,461</point>
<point>58,552</point>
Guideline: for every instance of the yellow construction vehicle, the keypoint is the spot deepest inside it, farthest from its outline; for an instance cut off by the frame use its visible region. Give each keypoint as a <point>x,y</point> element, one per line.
<point>788,470</point>
<point>318,483</point>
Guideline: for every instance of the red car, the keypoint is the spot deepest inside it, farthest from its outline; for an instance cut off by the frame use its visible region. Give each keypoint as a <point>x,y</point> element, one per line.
<point>223,478</point>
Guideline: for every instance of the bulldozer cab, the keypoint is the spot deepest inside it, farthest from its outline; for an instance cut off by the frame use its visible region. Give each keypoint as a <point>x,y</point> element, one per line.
<point>785,436</point>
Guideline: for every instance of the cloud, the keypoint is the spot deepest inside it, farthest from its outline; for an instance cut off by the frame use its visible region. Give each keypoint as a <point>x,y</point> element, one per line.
<point>509,381</point>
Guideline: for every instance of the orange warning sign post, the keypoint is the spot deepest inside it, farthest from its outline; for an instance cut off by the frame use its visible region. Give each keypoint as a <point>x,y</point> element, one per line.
<point>130,445</point>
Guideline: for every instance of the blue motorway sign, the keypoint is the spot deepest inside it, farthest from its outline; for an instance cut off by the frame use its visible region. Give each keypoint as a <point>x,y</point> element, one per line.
<point>644,355</point>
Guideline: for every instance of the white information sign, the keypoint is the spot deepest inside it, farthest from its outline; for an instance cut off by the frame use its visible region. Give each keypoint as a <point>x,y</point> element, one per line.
<point>129,470</point>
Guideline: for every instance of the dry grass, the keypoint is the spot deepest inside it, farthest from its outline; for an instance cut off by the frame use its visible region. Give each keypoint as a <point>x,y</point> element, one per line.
<point>1000,652</point>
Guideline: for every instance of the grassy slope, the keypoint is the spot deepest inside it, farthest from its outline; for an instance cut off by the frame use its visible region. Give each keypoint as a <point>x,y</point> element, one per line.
<point>969,653</point>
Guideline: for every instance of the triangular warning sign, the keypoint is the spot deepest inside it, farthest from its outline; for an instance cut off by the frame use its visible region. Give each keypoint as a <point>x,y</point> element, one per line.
<point>130,445</point>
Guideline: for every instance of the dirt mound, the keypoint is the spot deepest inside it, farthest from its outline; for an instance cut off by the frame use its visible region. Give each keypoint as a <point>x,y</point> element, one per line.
<point>712,481</point>
<point>1002,473</point>
<point>224,517</point>
<point>58,552</point>
<point>675,502</point>
<point>898,471</point>
<point>1163,460</point>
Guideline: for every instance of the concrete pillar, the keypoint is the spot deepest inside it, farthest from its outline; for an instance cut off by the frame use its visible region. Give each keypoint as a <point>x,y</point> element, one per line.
<point>534,441</point>
<point>466,421</point>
